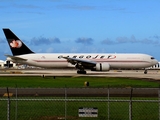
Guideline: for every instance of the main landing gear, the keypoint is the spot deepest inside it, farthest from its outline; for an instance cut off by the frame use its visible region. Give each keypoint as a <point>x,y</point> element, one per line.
<point>80,68</point>
<point>145,71</point>
<point>81,72</point>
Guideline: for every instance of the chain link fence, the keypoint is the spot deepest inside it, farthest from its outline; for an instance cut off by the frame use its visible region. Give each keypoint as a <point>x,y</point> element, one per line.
<point>103,104</point>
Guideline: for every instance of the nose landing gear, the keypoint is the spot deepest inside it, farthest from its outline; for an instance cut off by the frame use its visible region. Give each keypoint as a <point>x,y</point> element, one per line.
<point>145,71</point>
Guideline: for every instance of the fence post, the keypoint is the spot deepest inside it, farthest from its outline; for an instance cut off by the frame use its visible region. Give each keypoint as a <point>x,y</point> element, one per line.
<point>130,105</point>
<point>108,103</point>
<point>16,105</point>
<point>8,105</point>
<point>159,100</point>
<point>65,103</point>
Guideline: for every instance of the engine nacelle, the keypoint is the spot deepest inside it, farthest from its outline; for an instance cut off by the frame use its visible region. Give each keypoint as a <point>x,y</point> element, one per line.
<point>102,67</point>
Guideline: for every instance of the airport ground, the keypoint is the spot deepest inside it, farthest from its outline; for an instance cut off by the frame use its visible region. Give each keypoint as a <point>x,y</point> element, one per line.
<point>153,75</point>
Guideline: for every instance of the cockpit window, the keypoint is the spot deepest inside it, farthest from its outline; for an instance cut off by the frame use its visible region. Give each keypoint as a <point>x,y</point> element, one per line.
<point>152,58</point>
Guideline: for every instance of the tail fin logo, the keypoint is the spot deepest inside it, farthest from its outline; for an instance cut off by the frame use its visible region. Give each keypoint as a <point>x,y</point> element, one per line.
<point>16,44</point>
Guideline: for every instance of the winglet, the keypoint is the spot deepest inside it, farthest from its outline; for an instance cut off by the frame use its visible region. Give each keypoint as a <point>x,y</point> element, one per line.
<point>16,45</point>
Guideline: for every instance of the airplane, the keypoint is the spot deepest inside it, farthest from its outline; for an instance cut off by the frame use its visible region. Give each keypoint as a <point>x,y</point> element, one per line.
<point>81,61</point>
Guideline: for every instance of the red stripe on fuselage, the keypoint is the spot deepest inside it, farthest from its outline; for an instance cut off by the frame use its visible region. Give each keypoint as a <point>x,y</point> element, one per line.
<point>88,61</point>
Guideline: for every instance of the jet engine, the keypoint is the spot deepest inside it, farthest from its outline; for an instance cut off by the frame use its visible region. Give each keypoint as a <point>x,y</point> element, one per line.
<point>102,67</point>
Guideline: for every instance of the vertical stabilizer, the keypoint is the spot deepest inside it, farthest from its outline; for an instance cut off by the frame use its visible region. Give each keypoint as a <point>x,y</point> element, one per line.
<point>16,45</point>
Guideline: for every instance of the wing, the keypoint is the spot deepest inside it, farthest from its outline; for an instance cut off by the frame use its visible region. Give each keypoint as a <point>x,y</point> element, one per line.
<point>86,64</point>
<point>16,58</point>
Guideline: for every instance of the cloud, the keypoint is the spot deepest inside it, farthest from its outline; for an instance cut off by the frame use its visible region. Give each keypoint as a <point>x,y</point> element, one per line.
<point>155,37</point>
<point>108,41</point>
<point>23,5</point>
<point>149,41</point>
<point>132,39</point>
<point>118,9</point>
<point>43,40</point>
<point>76,7</point>
<point>49,50</point>
<point>86,41</point>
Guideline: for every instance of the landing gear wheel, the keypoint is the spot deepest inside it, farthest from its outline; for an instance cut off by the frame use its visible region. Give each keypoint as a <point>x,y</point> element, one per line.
<point>81,72</point>
<point>145,72</point>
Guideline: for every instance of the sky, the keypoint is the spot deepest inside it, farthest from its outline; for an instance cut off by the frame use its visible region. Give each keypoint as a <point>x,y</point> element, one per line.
<point>83,26</point>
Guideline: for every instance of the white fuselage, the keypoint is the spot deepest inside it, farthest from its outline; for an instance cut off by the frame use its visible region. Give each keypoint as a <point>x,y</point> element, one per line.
<point>55,60</point>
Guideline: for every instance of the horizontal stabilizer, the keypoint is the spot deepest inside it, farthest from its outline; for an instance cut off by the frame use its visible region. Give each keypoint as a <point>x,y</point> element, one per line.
<point>16,58</point>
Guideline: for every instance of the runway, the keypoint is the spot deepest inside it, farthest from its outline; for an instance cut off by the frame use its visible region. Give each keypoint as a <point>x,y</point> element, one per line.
<point>152,74</point>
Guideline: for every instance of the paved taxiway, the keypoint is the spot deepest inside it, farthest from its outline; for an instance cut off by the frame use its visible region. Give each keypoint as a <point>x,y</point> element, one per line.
<point>152,74</point>
<point>81,92</point>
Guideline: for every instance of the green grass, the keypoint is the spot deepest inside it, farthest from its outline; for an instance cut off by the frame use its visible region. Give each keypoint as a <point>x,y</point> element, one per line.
<point>45,110</point>
<point>48,109</point>
<point>50,82</point>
